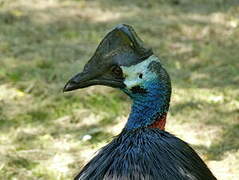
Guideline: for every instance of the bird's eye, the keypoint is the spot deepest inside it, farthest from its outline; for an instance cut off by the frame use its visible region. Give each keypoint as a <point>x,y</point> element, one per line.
<point>116,70</point>
<point>140,75</point>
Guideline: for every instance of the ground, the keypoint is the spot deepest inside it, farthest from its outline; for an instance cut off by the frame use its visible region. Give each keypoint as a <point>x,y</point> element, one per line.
<point>45,134</point>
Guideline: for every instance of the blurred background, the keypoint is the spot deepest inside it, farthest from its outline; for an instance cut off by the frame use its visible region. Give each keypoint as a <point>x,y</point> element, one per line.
<point>45,134</point>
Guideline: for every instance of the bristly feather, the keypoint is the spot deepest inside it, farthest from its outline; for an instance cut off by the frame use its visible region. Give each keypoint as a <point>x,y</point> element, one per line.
<point>146,154</point>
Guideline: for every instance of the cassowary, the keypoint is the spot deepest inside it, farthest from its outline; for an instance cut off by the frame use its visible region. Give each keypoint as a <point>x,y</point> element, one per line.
<point>143,150</point>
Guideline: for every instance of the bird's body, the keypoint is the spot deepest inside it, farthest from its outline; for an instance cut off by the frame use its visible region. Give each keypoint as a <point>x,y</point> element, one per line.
<point>146,154</point>
<point>143,150</point>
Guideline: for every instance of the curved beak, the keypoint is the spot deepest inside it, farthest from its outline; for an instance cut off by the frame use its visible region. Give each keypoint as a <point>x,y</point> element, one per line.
<point>80,80</point>
<point>84,79</point>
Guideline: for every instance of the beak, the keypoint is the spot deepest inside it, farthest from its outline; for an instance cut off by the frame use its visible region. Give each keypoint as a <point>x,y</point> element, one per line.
<point>80,80</point>
<point>86,79</point>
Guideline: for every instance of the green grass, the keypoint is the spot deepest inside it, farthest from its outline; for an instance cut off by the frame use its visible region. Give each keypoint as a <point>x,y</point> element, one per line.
<point>43,43</point>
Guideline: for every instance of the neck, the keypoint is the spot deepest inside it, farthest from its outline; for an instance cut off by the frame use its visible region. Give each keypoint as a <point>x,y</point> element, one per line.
<point>149,109</point>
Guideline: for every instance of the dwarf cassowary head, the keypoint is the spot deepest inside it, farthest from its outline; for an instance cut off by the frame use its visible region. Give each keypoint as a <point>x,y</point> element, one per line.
<point>123,61</point>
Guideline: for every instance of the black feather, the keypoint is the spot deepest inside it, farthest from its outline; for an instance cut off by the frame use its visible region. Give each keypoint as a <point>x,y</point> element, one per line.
<point>146,154</point>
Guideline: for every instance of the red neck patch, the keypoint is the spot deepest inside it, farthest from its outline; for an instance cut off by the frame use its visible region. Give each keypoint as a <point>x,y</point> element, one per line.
<point>160,122</point>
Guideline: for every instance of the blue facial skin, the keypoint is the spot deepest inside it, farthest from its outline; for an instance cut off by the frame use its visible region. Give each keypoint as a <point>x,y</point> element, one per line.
<point>150,93</point>
<point>147,106</point>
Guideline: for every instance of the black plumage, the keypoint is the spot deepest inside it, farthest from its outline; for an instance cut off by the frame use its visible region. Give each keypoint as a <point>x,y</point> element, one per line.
<point>146,154</point>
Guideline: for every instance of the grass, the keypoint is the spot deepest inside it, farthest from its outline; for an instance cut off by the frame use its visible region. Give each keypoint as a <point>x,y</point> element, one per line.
<point>45,134</point>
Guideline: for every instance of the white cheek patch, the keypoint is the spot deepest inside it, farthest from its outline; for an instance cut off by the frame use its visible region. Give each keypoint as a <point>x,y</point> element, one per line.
<point>132,73</point>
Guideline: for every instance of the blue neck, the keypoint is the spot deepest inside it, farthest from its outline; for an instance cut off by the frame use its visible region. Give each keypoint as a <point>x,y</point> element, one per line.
<point>147,107</point>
